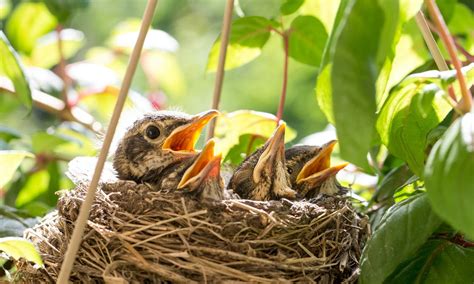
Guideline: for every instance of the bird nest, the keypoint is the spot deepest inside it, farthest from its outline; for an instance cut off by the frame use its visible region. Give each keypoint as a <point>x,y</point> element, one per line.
<point>137,235</point>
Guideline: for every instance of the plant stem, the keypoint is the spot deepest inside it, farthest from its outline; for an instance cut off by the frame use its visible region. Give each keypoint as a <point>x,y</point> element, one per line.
<point>62,67</point>
<point>221,64</point>
<point>425,27</point>
<point>80,223</point>
<point>466,103</point>
<point>286,45</point>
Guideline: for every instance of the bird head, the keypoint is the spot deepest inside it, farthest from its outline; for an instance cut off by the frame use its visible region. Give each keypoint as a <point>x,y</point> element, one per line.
<point>310,169</point>
<point>157,141</point>
<point>262,175</point>
<point>203,177</point>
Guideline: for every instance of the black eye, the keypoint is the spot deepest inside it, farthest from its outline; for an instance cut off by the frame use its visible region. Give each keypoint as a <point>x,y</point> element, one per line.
<point>290,171</point>
<point>152,132</point>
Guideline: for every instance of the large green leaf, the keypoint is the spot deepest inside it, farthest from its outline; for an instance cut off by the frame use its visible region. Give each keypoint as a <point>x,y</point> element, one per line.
<point>407,117</point>
<point>247,38</point>
<point>231,126</point>
<point>46,53</point>
<point>20,248</point>
<point>394,180</point>
<point>361,47</point>
<point>28,22</point>
<point>413,109</point>
<point>402,230</point>
<point>248,143</point>
<point>5,6</point>
<point>11,67</point>
<point>307,40</point>
<point>353,77</point>
<point>438,261</point>
<point>449,177</point>
<point>10,160</point>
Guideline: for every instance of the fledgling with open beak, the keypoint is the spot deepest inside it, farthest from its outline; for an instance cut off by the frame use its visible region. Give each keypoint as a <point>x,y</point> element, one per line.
<point>158,148</point>
<point>310,171</point>
<point>262,175</point>
<point>203,178</point>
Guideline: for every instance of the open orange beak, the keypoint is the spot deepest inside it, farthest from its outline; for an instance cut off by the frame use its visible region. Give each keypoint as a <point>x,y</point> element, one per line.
<point>183,138</point>
<point>318,169</point>
<point>206,165</point>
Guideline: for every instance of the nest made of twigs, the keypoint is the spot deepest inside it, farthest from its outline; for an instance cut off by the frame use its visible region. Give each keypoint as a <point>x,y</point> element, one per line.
<point>137,235</point>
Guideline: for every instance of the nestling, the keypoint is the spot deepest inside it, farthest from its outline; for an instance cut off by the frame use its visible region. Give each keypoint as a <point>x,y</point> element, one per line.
<point>158,148</point>
<point>310,171</point>
<point>263,175</point>
<point>203,179</point>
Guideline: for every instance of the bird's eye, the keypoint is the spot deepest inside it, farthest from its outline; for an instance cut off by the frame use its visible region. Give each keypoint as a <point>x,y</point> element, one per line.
<point>152,132</point>
<point>290,171</point>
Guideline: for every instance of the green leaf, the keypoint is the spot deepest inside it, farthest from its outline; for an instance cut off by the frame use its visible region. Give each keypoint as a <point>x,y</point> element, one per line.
<point>5,6</point>
<point>394,180</point>
<point>438,261</point>
<point>247,37</point>
<point>404,228</point>
<point>361,48</point>
<point>46,53</point>
<point>20,248</point>
<point>10,160</point>
<point>290,6</point>
<point>248,143</point>
<point>14,221</point>
<point>28,22</point>
<point>449,177</point>
<point>353,77</point>
<point>64,9</point>
<point>407,117</point>
<point>307,40</point>
<point>7,134</point>
<point>43,142</point>
<point>11,67</point>
<point>230,126</point>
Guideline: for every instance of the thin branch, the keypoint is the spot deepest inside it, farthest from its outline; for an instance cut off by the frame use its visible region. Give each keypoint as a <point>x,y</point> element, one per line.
<point>286,44</point>
<point>56,107</point>
<point>466,103</point>
<point>62,67</point>
<point>424,27</point>
<point>221,64</point>
<point>81,221</point>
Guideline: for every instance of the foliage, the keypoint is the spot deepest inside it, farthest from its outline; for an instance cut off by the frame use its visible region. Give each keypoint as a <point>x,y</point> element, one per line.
<point>395,115</point>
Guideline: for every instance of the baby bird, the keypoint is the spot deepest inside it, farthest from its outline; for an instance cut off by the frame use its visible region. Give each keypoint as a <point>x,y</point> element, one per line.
<point>262,175</point>
<point>310,171</point>
<point>203,178</point>
<point>158,148</point>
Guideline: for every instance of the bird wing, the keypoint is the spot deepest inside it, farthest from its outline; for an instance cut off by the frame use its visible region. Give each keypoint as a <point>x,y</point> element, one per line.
<point>81,170</point>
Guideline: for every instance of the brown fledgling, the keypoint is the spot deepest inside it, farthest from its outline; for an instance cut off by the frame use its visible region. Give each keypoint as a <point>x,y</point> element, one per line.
<point>158,148</point>
<point>263,175</point>
<point>310,171</point>
<point>203,178</point>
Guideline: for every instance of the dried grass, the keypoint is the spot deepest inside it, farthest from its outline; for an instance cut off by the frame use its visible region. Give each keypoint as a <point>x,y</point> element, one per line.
<point>136,235</point>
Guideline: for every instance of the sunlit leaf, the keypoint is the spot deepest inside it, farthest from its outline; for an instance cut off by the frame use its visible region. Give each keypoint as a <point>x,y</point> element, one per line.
<point>5,6</point>
<point>125,35</point>
<point>449,177</point>
<point>91,75</point>
<point>290,6</point>
<point>20,248</point>
<point>247,37</point>
<point>28,22</point>
<point>45,80</point>
<point>394,180</point>
<point>324,10</point>
<point>46,53</point>
<point>462,20</point>
<point>10,160</point>
<point>438,261</point>
<point>36,186</point>
<point>402,230</point>
<point>307,40</point>
<point>248,143</point>
<point>12,68</point>
<point>230,126</point>
<point>43,142</point>
<point>64,9</point>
